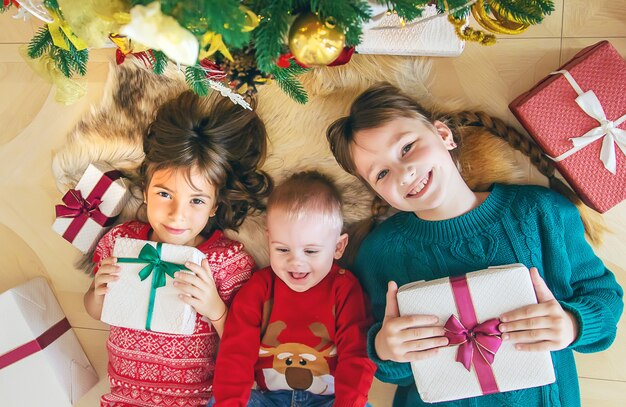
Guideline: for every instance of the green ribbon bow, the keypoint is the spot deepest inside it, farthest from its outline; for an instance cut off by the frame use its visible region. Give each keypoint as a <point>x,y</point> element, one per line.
<point>155,266</point>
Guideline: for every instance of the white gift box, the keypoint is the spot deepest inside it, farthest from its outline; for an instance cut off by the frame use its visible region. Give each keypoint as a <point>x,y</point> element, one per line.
<point>429,35</point>
<point>100,181</point>
<point>41,361</point>
<point>492,292</point>
<point>127,302</point>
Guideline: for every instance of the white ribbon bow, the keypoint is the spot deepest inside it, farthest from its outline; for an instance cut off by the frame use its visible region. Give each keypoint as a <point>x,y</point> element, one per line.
<point>589,103</point>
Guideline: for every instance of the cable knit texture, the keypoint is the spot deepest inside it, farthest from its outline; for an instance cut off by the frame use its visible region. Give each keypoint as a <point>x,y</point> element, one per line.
<point>516,224</point>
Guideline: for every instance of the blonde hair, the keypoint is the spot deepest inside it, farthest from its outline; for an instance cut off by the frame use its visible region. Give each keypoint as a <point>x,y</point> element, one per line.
<point>306,192</point>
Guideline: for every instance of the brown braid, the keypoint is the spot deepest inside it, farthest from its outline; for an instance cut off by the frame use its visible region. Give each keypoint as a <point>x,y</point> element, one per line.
<point>592,220</point>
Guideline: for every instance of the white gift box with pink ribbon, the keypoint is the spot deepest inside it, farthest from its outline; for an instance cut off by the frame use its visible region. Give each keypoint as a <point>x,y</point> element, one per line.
<point>41,361</point>
<point>476,362</point>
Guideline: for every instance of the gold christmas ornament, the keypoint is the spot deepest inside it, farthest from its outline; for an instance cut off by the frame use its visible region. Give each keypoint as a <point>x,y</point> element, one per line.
<point>315,43</point>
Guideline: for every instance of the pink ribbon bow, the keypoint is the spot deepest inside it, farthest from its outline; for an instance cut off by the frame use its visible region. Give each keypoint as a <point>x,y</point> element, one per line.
<point>483,339</point>
<point>76,205</point>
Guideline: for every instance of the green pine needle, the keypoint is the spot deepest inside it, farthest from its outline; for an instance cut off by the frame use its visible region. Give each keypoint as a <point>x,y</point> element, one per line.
<point>268,37</point>
<point>40,43</point>
<point>197,80</point>
<point>410,9</point>
<point>349,16</point>
<point>62,61</point>
<point>286,79</point>
<point>527,11</point>
<point>159,63</point>
<point>76,60</point>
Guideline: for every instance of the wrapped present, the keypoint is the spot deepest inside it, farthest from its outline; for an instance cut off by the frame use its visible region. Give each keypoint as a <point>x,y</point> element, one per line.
<point>577,115</point>
<point>144,296</point>
<point>476,361</point>
<point>41,361</point>
<point>429,35</point>
<point>91,207</point>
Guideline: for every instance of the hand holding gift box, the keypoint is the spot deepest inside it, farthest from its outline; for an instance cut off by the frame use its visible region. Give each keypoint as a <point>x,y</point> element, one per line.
<point>476,361</point>
<point>577,115</point>
<point>38,348</point>
<point>91,207</point>
<point>144,296</point>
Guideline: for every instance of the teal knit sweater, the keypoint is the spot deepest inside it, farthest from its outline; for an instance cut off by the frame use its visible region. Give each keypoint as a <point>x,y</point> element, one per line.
<point>516,224</point>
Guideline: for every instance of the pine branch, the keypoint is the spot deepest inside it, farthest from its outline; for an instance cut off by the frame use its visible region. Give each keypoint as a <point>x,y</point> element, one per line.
<point>40,43</point>
<point>408,9</point>
<point>349,16</point>
<point>529,12</point>
<point>159,62</point>
<point>268,36</point>
<point>78,59</point>
<point>197,80</point>
<point>62,61</point>
<point>225,18</point>
<point>286,79</point>
<point>463,9</point>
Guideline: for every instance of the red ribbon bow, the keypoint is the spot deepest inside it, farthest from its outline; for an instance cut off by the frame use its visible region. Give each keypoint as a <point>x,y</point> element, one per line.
<point>76,206</point>
<point>483,339</point>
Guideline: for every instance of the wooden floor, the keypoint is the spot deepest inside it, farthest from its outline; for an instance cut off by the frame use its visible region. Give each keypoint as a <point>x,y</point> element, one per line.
<point>487,78</point>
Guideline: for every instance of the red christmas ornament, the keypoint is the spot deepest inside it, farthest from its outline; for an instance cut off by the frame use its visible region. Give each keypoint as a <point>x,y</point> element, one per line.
<point>284,61</point>
<point>344,57</point>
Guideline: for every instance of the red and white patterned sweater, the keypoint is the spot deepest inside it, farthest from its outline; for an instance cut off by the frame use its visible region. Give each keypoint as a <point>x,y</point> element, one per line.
<point>156,369</point>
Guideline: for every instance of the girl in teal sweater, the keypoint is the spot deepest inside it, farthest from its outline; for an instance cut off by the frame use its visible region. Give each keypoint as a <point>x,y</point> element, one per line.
<point>443,228</point>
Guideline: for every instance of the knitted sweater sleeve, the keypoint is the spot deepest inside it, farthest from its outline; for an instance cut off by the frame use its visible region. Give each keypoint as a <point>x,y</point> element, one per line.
<point>239,346</point>
<point>375,268</point>
<point>354,372</point>
<point>596,299</point>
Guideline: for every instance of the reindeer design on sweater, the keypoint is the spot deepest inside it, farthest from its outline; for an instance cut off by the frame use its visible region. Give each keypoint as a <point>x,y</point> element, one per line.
<point>298,366</point>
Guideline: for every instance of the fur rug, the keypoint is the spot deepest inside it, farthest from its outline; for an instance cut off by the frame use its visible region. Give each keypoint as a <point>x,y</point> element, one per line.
<point>112,132</point>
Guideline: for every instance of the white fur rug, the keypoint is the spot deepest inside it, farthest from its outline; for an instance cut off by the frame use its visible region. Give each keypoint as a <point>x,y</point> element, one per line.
<point>112,132</point>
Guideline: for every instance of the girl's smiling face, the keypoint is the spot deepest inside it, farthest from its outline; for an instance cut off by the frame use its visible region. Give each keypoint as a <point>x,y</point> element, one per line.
<point>408,163</point>
<point>179,207</point>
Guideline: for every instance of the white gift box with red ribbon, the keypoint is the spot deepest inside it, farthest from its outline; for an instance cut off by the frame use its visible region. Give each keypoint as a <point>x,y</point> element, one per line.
<point>476,362</point>
<point>41,361</point>
<point>91,207</point>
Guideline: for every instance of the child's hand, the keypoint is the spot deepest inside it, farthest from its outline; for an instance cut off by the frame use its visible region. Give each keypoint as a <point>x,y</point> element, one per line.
<point>107,272</point>
<point>540,327</point>
<point>407,338</point>
<point>94,297</point>
<point>199,290</point>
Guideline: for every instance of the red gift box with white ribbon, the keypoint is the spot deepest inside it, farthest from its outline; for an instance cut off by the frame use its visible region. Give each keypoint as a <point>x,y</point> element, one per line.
<point>476,361</point>
<point>91,207</point>
<point>577,115</point>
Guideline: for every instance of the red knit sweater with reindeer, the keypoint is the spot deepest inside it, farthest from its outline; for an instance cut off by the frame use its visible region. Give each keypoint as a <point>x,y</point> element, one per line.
<point>286,340</point>
<point>153,369</point>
